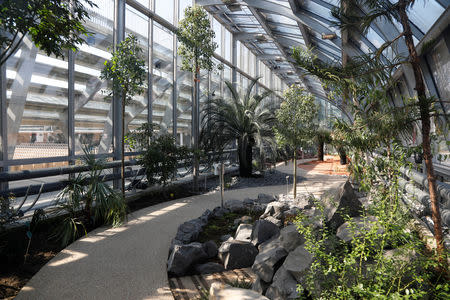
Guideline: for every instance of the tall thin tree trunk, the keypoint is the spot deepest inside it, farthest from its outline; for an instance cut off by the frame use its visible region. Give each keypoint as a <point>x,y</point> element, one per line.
<point>122,169</point>
<point>320,149</point>
<point>424,107</point>
<point>196,125</point>
<point>295,173</point>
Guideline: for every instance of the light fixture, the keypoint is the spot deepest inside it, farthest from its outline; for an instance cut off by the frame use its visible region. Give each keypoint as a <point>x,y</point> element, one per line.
<point>329,36</point>
<point>260,37</point>
<point>278,59</point>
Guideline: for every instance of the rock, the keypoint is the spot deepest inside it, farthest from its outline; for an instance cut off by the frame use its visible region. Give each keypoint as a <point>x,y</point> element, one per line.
<point>298,262</point>
<point>244,233</point>
<point>265,198</point>
<point>283,286</point>
<point>189,231</point>
<point>344,203</point>
<point>210,249</point>
<point>345,232</point>
<point>225,237</point>
<point>183,257</point>
<point>273,220</point>
<point>221,291</point>
<point>401,254</point>
<point>219,212</point>
<point>262,231</point>
<point>243,220</point>
<point>173,244</point>
<point>268,261</point>
<point>275,240</point>
<point>275,209</point>
<point>248,202</point>
<point>209,268</point>
<point>260,286</point>
<point>290,238</point>
<point>237,254</point>
<point>234,205</point>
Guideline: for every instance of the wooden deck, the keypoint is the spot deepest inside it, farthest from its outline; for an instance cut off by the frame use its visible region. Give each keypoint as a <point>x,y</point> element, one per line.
<point>193,287</point>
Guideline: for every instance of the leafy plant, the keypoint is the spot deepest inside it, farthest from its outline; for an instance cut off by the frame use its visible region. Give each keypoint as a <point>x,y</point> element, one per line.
<point>160,154</point>
<point>128,72</point>
<point>52,25</point>
<point>196,49</point>
<point>295,122</point>
<point>246,118</point>
<point>38,216</point>
<point>384,259</point>
<point>88,200</point>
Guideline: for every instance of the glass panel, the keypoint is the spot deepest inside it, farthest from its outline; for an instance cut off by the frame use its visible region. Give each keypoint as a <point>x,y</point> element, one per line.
<point>218,38</point>
<point>226,77</point>
<point>228,45</point>
<point>424,13</point>
<point>93,106</point>
<point>137,110</point>
<point>162,79</point>
<point>182,6</point>
<point>164,8</point>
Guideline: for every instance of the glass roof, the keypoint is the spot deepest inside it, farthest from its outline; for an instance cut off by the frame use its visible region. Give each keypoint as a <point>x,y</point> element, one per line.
<point>279,25</point>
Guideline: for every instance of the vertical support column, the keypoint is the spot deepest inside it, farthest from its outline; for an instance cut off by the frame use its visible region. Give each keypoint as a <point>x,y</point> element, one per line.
<point>119,35</point>
<point>233,60</point>
<point>71,107</point>
<point>150,68</point>
<point>174,73</point>
<point>3,131</point>
<point>256,75</point>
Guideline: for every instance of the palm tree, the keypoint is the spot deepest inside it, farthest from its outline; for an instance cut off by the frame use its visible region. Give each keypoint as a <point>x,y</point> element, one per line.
<point>246,118</point>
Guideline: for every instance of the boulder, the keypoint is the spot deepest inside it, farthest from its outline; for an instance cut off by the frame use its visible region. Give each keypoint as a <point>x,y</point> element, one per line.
<point>189,231</point>
<point>248,202</point>
<point>209,268</point>
<point>234,205</point>
<point>346,233</point>
<point>268,260</point>
<point>173,244</point>
<point>345,202</point>
<point>221,291</point>
<point>298,262</point>
<point>219,212</point>
<point>290,238</point>
<point>284,286</point>
<point>272,242</point>
<point>266,198</point>
<point>260,286</point>
<point>225,237</point>
<point>210,249</point>
<point>183,257</point>
<point>244,233</point>
<point>275,209</point>
<point>262,231</point>
<point>237,254</point>
<point>273,220</point>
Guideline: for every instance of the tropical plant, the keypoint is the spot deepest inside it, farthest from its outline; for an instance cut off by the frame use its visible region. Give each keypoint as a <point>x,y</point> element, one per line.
<point>322,137</point>
<point>246,118</point>
<point>196,49</point>
<point>52,25</point>
<point>88,200</point>
<point>160,154</point>
<point>128,73</point>
<point>295,121</point>
<point>375,71</point>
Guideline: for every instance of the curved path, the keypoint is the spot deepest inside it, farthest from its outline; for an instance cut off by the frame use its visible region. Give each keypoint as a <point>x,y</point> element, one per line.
<point>129,262</point>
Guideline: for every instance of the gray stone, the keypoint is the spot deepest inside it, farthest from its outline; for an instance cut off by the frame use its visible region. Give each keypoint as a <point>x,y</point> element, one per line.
<point>272,242</point>
<point>274,221</point>
<point>189,231</point>
<point>234,205</point>
<point>221,291</point>
<point>210,249</point>
<point>173,244</point>
<point>244,233</point>
<point>290,238</point>
<point>298,262</point>
<point>237,254</point>
<point>260,286</point>
<point>345,202</point>
<point>284,286</point>
<point>248,201</point>
<point>209,268</point>
<point>262,231</point>
<point>266,198</point>
<point>362,225</point>
<point>219,212</point>
<point>183,257</point>
<point>275,209</point>
<point>267,261</point>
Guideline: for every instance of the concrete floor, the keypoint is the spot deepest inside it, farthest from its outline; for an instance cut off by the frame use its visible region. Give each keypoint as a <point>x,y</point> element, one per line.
<point>129,262</point>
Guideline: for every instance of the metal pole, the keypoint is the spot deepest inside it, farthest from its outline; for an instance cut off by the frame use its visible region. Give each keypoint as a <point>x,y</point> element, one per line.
<point>3,129</point>
<point>222,183</point>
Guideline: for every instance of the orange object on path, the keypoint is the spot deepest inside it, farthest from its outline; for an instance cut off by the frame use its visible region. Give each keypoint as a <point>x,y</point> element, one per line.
<point>330,166</point>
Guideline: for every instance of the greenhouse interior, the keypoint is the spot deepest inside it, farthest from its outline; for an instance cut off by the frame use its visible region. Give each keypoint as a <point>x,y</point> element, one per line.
<point>224,149</point>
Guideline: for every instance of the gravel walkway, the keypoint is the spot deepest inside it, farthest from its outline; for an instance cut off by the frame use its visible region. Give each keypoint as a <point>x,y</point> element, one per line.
<point>129,262</point>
